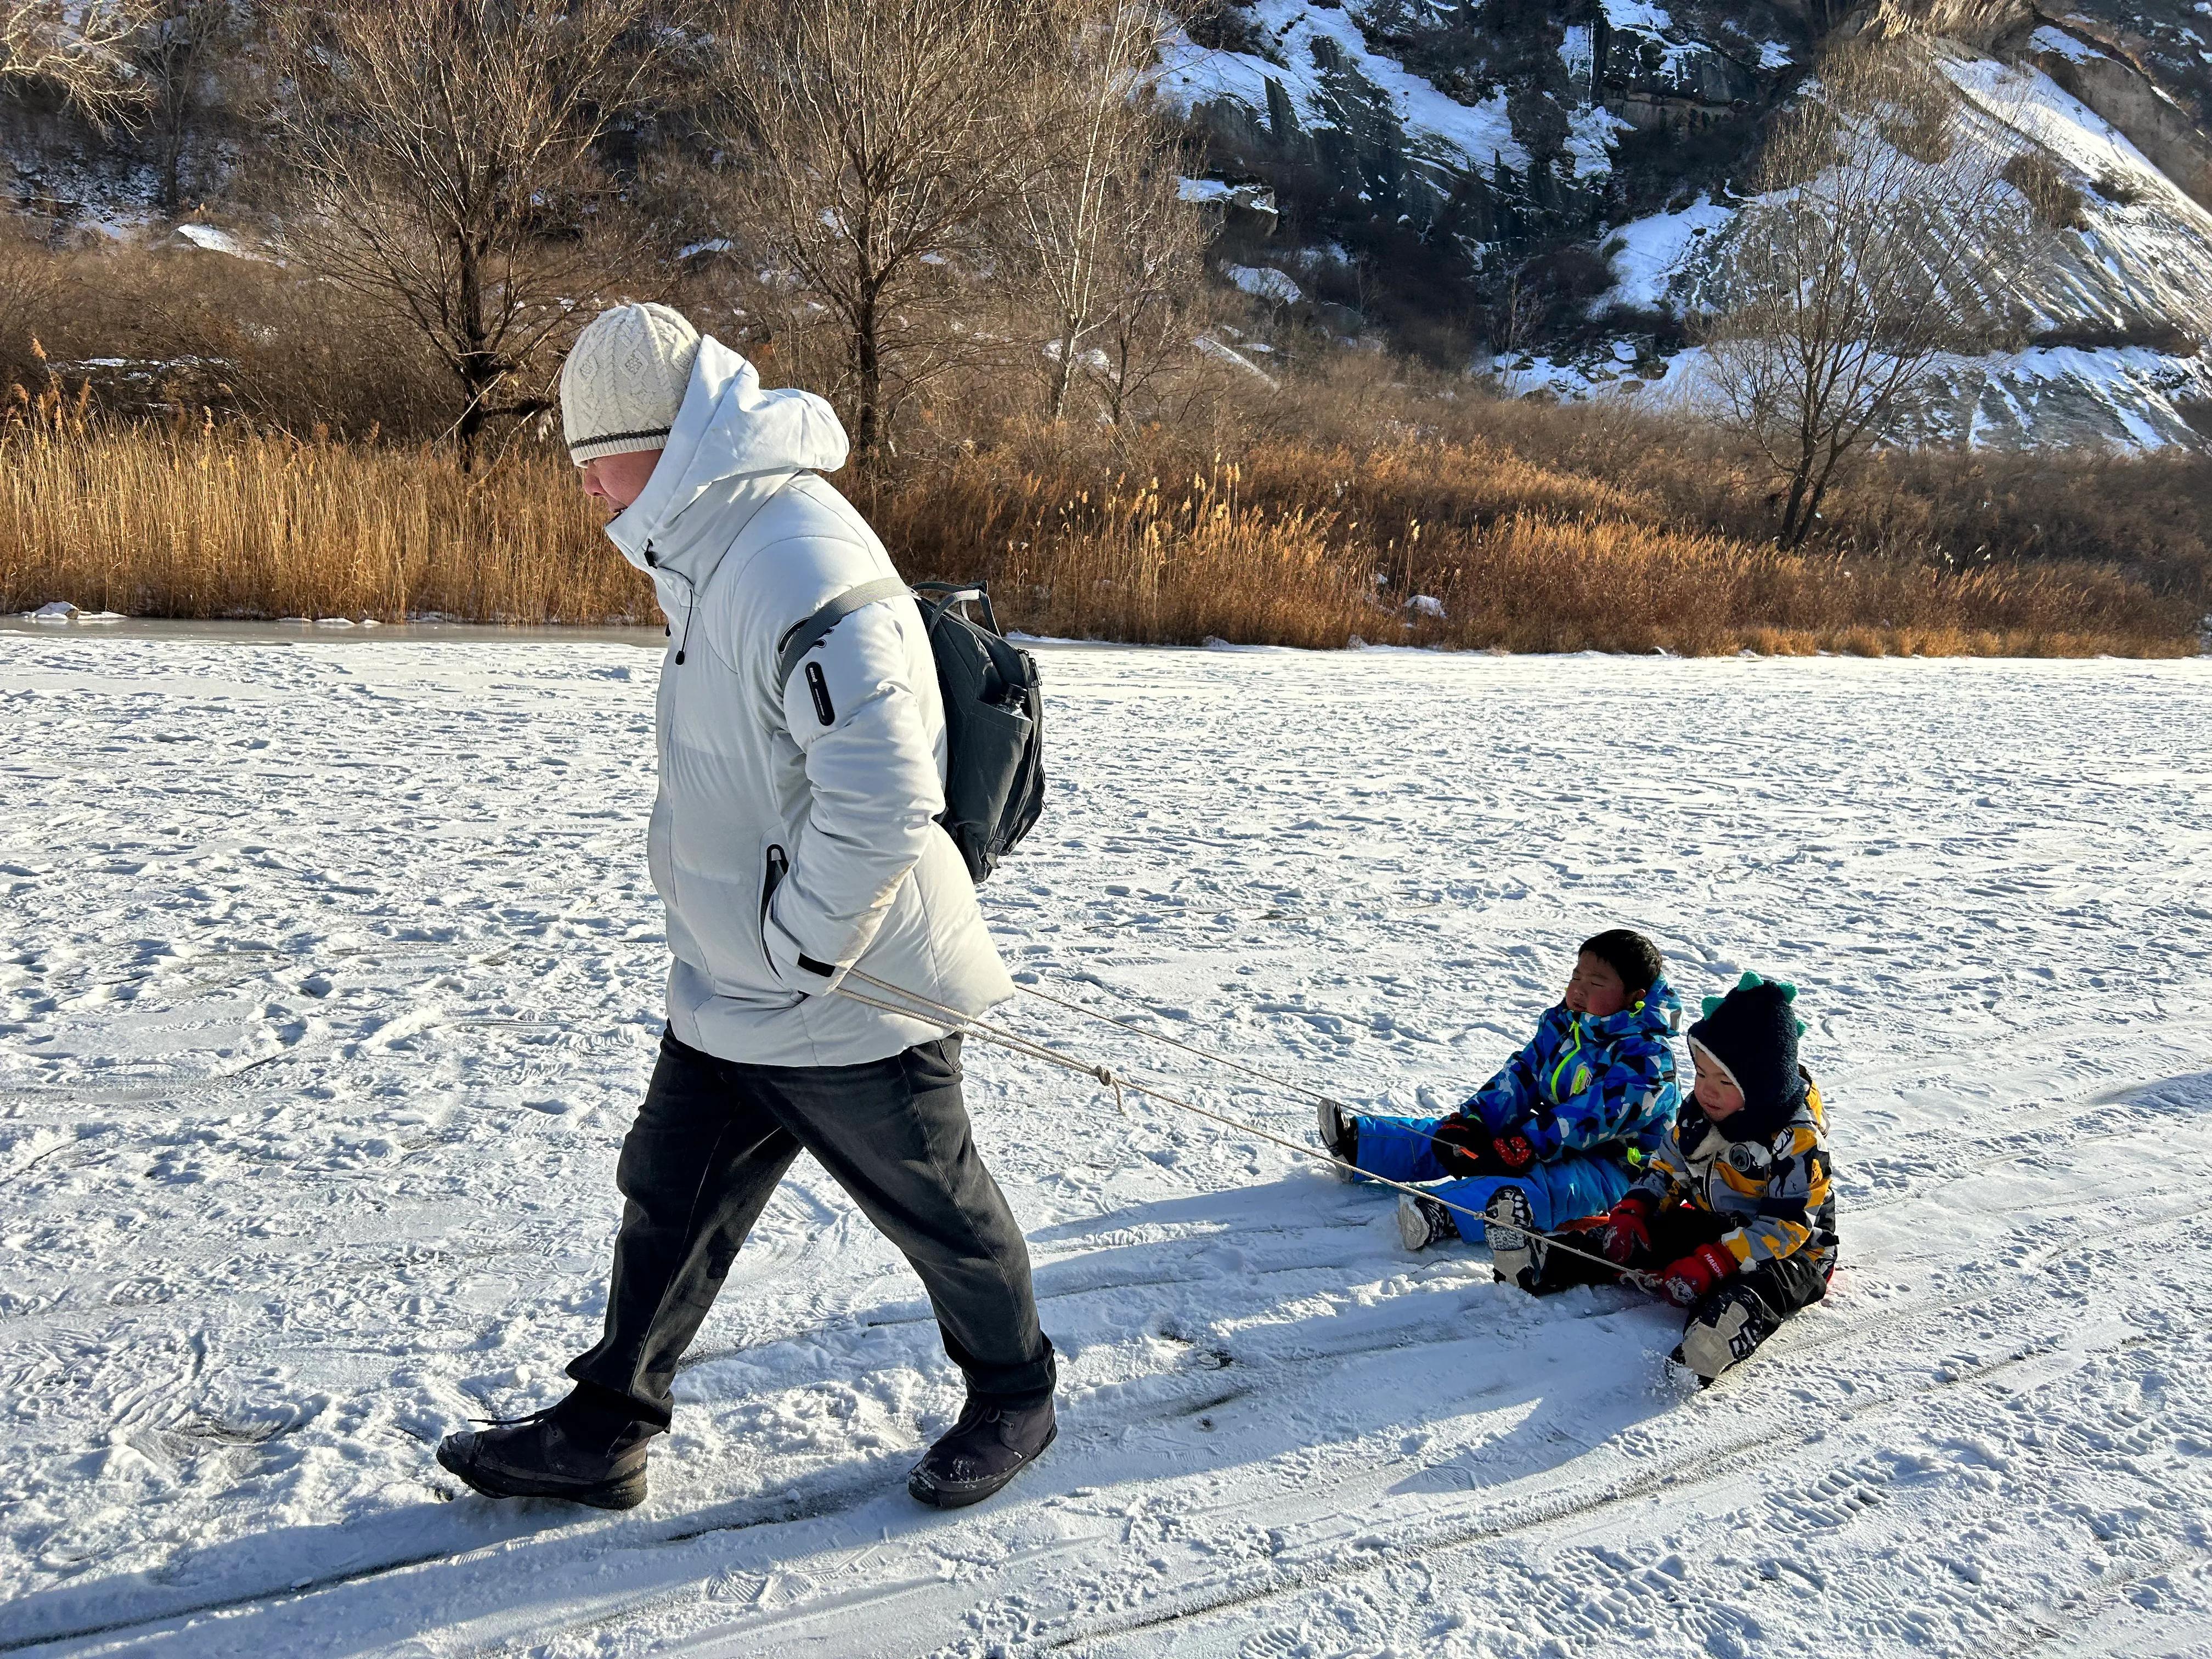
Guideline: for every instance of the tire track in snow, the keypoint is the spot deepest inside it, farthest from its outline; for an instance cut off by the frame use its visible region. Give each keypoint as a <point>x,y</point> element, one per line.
<point>1728,1456</point>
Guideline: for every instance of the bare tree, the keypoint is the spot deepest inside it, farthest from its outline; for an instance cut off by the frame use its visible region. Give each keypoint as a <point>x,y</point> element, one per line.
<point>1106,155</point>
<point>1152,277</point>
<point>878,141</point>
<point>449,151</point>
<point>79,49</point>
<point>185,43</point>
<point>1514,323</point>
<point>1883,237</point>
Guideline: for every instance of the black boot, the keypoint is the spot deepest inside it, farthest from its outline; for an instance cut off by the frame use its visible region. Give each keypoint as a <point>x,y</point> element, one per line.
<point>1339,1134</point>
<point>572,1450</point>
<point>986,1448</point>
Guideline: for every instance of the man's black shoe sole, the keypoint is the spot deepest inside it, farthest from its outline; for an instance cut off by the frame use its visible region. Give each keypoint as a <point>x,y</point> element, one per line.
<point>958,1497</point>
<point>626,1494</point>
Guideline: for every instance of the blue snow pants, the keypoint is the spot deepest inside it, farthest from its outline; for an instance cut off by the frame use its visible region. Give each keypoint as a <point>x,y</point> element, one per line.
<point>1558,1191</point>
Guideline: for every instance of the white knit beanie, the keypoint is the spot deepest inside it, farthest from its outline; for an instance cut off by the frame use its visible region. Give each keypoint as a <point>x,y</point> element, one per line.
<point>624,380</point>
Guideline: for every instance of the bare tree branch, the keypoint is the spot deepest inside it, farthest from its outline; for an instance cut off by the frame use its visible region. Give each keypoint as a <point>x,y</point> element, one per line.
<point>1097,219</point>
<point>79,49</point>
<point>449,153</point>
<point>183,44</point>
<point>1883,238</point>
<point>876,144</point>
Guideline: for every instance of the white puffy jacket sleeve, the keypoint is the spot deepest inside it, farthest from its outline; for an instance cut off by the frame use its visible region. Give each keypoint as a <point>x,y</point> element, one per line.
<point>870,735</point>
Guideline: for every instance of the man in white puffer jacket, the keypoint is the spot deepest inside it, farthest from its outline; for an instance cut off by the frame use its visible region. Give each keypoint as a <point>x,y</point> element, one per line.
<point>793,837</point>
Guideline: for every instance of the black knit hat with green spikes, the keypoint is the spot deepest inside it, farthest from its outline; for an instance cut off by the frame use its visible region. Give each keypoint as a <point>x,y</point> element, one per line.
<point>1753,1031</point>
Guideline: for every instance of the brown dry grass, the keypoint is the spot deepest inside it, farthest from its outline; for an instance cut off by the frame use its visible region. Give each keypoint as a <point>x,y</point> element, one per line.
<point>1297,543</point>
<point>228,524</point>
<point>1305,545</point>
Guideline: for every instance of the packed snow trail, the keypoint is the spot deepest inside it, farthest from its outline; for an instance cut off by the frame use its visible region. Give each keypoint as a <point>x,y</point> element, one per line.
<point>332,977</point>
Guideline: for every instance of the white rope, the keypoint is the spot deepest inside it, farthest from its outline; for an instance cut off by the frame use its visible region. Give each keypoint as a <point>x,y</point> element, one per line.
<point>1187,1047</point>
<point>1209,1054</point>
<point>930,1012</point>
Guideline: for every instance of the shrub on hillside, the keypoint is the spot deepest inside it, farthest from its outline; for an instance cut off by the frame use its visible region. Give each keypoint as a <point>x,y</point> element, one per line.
<point>159,329</point>
<point>2054,199</point>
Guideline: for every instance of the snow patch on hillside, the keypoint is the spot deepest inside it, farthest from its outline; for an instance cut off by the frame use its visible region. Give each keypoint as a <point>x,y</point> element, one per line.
<point>2147,251</point>
<point>2143,253</point>
<point>1310,41</point>
<point>1264,283</point>
<point>213,239</point>
<point>2047,38</point>
<point>2123,398</point>
<point>2127,397</point>
<point>1657,258</point>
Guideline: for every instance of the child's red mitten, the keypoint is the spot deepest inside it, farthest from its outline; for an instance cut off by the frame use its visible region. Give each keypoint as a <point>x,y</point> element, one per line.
<point>1693,1277</point>
<point>1627,1230</point>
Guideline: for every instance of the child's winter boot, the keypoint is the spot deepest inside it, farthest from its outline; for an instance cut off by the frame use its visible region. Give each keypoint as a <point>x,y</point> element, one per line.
<point>1339,1135</point>
<point>1723,1332</point>
<point>1422,1221</point>
<point>1516,1249</point>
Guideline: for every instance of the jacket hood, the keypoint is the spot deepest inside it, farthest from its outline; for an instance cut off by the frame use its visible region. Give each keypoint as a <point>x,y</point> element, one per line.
<point>732,446</point>
<point>1656,1013</point>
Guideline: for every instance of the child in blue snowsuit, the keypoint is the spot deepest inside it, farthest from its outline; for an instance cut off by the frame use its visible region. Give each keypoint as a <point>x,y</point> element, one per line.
<point>1734,1218</point>
<point>1567,1122</point>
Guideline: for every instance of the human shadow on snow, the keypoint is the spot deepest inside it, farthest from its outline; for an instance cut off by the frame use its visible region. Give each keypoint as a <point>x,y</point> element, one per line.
<point>1400,1377</point>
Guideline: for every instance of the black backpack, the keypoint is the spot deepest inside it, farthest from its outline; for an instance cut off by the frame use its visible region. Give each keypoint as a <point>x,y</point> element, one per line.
<point>994,711</point>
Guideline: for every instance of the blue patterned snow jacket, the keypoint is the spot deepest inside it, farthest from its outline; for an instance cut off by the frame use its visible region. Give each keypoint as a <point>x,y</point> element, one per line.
<point>1596,1098</point>
<point>1583,1084</point>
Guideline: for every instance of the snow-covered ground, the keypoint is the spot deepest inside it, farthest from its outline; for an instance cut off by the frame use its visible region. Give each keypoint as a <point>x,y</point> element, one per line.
<point>330,977</point>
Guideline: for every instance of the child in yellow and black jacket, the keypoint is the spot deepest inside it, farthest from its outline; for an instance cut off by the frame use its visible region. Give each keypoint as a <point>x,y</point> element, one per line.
<point>1735,1217</point>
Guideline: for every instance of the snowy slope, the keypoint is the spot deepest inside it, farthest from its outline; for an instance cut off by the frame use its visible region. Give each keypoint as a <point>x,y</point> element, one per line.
<point>331,979</point>
<point>2140,263</point>
<point>1511,134</point>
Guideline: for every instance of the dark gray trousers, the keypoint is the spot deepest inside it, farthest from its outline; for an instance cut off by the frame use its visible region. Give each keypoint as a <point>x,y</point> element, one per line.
<point>711,1142</point>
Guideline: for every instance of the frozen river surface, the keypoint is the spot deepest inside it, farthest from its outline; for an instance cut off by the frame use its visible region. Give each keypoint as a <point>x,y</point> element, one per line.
<point>330,975</point>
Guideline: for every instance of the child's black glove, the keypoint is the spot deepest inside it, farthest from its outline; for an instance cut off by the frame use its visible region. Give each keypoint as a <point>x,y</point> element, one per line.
<point>1466,1148</point>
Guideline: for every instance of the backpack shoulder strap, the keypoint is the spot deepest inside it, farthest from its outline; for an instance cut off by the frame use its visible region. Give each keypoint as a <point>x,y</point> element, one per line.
<point>802,637</point>
<point>937,598</point>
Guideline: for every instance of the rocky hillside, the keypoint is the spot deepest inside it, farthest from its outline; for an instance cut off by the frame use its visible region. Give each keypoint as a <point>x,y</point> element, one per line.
<point>1545,183</point>
<point>1541,188</point>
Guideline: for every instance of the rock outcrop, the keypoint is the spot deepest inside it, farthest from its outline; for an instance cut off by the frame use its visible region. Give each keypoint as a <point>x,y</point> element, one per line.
<point>1559,173</point>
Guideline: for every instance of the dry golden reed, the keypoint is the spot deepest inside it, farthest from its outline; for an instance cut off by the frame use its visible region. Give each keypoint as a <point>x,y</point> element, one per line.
<point>1464,545</point>
<point>1458,543</point>
<point>224,524</point>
